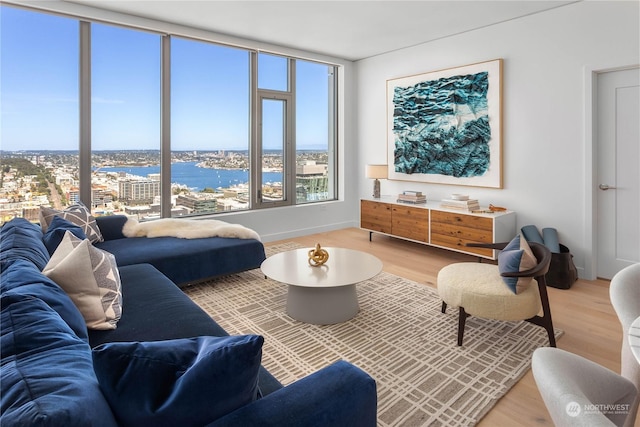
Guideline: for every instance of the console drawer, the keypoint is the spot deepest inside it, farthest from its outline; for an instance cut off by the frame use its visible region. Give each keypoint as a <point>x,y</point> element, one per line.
<point>455,230</point>
<point>375,216</point>
<point>410,223</point>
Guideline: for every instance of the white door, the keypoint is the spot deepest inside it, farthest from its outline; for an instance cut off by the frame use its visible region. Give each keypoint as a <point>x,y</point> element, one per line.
<point>617,175</point>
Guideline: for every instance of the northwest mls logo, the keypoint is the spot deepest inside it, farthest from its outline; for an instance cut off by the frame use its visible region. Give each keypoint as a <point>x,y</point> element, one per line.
<point>573,409</point>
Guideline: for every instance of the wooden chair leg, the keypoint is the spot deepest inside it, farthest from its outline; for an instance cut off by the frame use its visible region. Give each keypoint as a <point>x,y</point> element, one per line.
<point>444,307</point>
<point>544,320</point>
<point>546,311</point>
<point>462,318</point>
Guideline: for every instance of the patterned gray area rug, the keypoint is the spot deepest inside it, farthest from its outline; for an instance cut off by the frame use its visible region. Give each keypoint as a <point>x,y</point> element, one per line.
<point>399,337</point>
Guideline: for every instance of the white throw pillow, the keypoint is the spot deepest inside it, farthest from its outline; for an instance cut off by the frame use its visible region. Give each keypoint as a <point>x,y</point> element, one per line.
<point>90,277</point>
<point>77,214</point>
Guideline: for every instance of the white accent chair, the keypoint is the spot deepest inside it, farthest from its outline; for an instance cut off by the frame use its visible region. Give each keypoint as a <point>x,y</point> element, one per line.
<point>579,392</point>
<point>624,292</point>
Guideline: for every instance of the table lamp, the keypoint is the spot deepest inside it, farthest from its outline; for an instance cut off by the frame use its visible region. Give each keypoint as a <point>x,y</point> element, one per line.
<point>376,172</point>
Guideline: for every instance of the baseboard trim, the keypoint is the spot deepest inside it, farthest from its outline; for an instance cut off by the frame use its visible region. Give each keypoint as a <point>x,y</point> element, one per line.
<point>290,234</point>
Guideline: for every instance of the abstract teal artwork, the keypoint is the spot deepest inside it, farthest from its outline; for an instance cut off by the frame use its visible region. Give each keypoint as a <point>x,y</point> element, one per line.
<point>444,126</point>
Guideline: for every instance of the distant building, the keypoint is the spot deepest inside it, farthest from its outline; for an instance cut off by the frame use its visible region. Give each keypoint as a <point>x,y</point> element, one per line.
<point>236,193</point>
<point>231,205</point>
<point>8,211</point>
<point>198,203</point>
<point>101,196</point>
<point>73,195</point>
<point>142,210</point>
<point>312,181</point>
<point>31,213</point>
<point>311,168</point>
<point>25,210</point>
<point>138,192</point>
<point>66,179</point>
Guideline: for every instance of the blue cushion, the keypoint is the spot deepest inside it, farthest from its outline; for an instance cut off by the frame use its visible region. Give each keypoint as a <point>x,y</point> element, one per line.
<point>22,278</point>
<point>47,374</point>
<point>531,233</point>
<point>111,226</point>
<point>551,241</point>
<point>56,230</point>
<point>516,257</point>
<point>78,214</point>
<point>182,382</point>
<point>21,239</point>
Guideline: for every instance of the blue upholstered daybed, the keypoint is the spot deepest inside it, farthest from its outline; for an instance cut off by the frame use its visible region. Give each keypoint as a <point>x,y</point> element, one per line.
<point>183,261</point>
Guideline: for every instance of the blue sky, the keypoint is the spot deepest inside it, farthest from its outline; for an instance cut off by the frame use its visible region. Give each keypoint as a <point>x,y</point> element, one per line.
<point>210,92</point>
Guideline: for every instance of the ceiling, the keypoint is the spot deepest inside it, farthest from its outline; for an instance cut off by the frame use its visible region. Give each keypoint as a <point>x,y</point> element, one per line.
<point>350,30</point>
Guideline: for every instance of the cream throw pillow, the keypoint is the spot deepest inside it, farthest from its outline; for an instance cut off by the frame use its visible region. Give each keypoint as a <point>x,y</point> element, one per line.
<point>90,277</point>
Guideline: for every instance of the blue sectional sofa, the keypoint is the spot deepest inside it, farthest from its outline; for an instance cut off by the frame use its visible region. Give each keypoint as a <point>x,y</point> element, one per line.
<point>166,363</point>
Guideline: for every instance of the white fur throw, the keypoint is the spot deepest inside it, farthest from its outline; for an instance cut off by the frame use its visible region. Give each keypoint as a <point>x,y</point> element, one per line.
<point>187,229</point>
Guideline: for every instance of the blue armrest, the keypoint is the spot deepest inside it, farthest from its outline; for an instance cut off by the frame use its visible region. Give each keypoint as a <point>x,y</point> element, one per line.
<point>339,395</point>
<point>111,226</point>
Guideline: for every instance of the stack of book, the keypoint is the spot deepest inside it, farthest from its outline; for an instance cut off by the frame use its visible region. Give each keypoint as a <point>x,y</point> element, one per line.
<point>412,197</point>
<point>468,205</point>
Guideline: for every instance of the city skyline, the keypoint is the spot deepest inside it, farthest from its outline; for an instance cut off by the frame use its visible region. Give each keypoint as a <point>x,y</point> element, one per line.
<point>128,181</point>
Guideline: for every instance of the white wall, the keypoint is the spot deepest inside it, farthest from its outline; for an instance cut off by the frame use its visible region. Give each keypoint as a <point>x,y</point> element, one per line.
<point>544,145</point>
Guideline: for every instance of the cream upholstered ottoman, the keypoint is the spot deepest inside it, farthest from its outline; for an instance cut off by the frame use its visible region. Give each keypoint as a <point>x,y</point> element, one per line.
<point>478,289</point>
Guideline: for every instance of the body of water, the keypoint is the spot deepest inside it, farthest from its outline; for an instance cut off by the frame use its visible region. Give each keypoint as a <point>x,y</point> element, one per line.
<point>197,178</point>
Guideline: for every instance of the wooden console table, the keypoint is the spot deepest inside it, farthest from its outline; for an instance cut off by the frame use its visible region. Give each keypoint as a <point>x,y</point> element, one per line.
<point>437,226</point>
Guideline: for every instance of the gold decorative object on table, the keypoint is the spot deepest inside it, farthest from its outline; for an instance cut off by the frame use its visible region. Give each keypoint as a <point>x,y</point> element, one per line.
<point>318,256</point>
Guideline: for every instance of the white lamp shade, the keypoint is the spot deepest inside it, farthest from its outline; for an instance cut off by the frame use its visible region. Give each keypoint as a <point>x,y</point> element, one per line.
<point>377,171</point>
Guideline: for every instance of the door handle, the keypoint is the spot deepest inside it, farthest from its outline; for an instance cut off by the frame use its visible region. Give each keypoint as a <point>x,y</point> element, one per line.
<point>606,187</point>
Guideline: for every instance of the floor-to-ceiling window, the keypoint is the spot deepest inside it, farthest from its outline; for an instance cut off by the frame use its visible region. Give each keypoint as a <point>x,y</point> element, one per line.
<point>210,117</point>
<point>241,129</point>
<point>274,130</point>
<point>296,131</point>
<point>39,106</point>
<point>315,132</point>
<point>125,120</point>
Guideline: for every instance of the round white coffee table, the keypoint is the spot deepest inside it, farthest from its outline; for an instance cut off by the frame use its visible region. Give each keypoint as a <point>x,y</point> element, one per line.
<point>322,295</point>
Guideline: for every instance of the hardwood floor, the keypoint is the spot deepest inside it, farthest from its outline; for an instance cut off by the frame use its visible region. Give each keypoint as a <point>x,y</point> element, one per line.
<point>591,327</point>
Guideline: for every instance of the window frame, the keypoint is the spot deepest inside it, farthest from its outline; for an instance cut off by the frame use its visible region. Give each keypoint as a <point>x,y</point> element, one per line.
<point>288,155</point>
<point>289,151</point>
<point>255,173</point>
